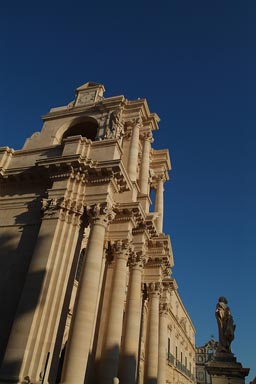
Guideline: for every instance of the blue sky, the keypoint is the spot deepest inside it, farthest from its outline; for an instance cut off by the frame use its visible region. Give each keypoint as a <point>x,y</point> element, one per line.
<point>195,63</point>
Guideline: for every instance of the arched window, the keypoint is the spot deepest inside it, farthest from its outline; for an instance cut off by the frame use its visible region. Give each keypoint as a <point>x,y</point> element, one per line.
<point>86,127</point>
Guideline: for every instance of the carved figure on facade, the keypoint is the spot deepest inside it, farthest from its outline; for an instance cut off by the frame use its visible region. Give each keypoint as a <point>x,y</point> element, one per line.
<point>115,128</point>
<point>226,325</point>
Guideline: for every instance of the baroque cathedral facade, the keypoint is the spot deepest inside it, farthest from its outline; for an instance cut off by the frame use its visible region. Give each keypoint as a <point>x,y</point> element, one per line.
<point>86,289</point>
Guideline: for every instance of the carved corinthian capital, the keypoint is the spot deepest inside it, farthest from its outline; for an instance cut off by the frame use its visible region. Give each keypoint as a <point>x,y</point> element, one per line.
<point>154,288</point>
<point>100,213</point>
<point>137,260</point>
<point>147,136</point>
<point>121,249</point>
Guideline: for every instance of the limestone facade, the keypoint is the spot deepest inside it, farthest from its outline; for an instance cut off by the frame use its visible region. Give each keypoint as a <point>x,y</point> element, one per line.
<point>86,290</point>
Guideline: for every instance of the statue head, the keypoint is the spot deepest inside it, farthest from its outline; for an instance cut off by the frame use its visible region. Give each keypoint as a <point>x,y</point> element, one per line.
<point>223,299</point>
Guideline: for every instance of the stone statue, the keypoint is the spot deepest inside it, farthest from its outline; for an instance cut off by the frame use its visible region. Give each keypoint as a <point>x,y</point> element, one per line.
<point>115,128</point>
<point>225,324</point>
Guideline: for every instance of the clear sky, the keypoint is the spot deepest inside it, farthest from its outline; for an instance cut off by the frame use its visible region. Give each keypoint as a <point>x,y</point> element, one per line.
<point>194,61</point>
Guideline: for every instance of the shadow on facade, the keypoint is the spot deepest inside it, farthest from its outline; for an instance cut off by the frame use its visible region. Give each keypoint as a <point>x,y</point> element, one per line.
<point>58,355</point>
<point>152,380</point>
<point>128,369</point>
<point>19,290</point>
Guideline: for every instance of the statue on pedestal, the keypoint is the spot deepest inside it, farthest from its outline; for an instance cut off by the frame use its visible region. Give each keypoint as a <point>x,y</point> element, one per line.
<point>224,368</point>
<point>226,325</point>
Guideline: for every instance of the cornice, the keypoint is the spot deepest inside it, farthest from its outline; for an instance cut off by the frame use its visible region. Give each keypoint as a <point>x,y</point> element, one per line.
<point>105,105</point>
<point>130,210</point>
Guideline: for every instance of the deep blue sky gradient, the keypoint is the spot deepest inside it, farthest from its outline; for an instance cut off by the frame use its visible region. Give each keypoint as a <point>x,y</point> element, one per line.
<point>194,62</point>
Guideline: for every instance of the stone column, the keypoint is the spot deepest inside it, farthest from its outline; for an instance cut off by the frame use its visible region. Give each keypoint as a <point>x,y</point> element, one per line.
<point>163,336</point>
<point>159,203</point>
<point>134,150</point>
<point>144,168</point>
<point>151,364</point>
<point>78,348</point>
<point>131,336</point>
<point>111,347</point>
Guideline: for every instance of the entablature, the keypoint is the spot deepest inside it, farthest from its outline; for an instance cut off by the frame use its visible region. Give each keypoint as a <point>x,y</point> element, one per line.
<point>160,248</point>
<point>160,163</point>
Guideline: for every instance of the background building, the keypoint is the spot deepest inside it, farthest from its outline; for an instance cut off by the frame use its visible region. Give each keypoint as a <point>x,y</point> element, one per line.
<point>86,282</point>
<point>203,355</point>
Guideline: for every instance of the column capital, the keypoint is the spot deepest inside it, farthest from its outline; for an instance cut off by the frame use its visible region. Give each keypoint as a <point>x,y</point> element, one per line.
<point>157,179</point>
<point>137,122</point>
<point>137,260</point>
<point>72,206</point>
<point>100,213</point>
<point>59,208</point>
<point>120,249</point>
<point>147,136</point>
<point>154,288</point>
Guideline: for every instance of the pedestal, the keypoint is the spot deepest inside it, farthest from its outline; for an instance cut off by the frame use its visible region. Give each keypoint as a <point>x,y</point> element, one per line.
<point>224,369</point>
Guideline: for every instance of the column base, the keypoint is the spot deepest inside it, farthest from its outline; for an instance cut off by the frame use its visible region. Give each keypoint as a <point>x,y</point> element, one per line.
<point>224,369</point>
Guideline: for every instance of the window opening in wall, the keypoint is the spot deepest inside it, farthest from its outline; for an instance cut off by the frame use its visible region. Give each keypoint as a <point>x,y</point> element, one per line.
<point>87,127</point>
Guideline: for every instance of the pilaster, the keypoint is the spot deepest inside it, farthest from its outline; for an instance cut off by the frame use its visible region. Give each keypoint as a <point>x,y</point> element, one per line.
<point>34,331</point>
